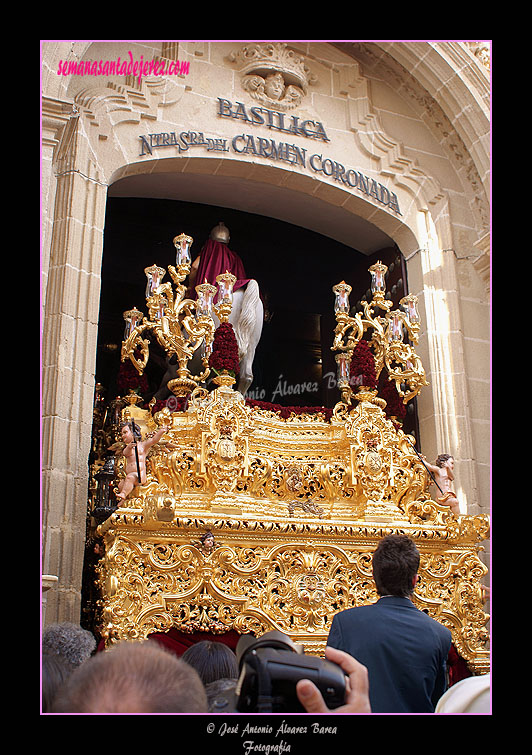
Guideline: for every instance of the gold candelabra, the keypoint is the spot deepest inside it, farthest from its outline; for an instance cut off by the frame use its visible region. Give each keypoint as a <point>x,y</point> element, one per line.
<point>389,347</point>
<point>180,325</point>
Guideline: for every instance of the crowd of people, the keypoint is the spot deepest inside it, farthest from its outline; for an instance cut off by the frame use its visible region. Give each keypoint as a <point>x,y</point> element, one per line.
<point>392,654</point>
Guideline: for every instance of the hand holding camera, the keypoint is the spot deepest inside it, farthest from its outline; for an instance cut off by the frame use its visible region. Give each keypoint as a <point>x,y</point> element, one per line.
<point>357,687</point>
<point>276,676</point>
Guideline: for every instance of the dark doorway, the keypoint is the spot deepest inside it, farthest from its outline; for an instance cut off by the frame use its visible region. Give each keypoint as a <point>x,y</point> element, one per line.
<point>295,268</point>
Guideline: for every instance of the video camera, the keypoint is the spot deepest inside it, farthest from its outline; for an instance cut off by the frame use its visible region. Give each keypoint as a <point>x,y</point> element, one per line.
<point>270,668</point>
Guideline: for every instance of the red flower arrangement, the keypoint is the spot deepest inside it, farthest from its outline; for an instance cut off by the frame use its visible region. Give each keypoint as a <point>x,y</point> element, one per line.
<point>224,350</point>
<point>128,379</point>
<point>362,369</point>
<point>394,403</point>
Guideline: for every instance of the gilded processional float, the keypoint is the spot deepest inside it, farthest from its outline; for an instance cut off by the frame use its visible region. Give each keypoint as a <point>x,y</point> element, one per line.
<point>249,521</point>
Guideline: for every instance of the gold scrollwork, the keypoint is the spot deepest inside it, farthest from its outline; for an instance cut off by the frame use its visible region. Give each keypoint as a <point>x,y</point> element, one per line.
<point>295,507</point>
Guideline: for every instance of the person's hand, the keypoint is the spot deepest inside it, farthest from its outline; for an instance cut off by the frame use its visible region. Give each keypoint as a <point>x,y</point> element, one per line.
<point>357,687</point>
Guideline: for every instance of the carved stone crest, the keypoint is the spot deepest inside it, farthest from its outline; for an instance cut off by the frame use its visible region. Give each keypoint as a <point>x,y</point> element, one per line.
<point>273,74</point>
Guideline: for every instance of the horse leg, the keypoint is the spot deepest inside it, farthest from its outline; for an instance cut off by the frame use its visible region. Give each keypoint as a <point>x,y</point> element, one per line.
<point>245,377</point>
<point>246,363</point>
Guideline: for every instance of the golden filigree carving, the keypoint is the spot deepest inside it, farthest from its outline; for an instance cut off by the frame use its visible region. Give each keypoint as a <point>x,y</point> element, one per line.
<point>249,522</point>
<point>286,575</point>
<point>385,335</point>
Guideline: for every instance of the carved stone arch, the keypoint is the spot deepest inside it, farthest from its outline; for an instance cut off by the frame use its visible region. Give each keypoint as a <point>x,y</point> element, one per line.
<point>387,154</point>
<point>108,106</point>
<point>296,198</point>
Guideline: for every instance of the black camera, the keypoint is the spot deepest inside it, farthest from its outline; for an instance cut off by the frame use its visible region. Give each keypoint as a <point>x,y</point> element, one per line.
<point>270,668</point>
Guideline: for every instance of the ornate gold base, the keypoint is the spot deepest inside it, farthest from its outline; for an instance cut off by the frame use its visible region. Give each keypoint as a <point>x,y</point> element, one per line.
<point>380,511</point>
<point>296,508</point>
<point>281,574</point>
<point>225,506</point>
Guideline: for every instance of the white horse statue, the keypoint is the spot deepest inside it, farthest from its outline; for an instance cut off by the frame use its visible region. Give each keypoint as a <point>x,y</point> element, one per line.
<point>247,317</point>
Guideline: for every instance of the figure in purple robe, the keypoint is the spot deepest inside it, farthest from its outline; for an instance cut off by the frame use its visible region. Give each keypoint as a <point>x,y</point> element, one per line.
<point>216,258</point>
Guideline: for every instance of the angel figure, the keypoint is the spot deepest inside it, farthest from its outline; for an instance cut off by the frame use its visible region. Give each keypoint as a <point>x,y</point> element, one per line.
<point>443,471</point>
<point>272,89</point>
<point>206,544</point>
<point>135,453</point>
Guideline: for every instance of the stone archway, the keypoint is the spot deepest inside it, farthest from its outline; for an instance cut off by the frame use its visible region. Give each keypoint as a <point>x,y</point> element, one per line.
<point>270,191</point>
<point>330,210</point>
<point>82,162</point>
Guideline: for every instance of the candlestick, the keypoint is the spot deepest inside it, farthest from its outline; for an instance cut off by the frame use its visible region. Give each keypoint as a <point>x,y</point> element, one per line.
<point>182,244</point>
<point>132,318</point>
<point>409,302</point>
<point>155,275</point>
<point>341,302</point>
<point>179,327</point>
<point>205,298</point>
<point>378,271</point>
<point>395,328</point>
<point>389,348</point>
<point>224,301</point>
<point>225,282</point>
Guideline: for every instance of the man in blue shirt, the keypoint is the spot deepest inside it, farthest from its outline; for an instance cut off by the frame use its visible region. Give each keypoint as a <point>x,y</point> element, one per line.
<point>404,650</point>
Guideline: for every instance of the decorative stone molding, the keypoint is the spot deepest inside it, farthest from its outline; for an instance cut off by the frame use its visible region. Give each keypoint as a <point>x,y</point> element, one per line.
<point>482,263</point>
<point>442,123</point>
<point>109,105</point>
<point>373,140</point>
<point>273,74</point>
<point>482,52</point>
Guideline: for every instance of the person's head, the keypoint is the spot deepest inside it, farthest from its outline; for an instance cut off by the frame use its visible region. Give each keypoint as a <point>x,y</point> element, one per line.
<point>130,432</point>
<point>132,677</point>
<point>212,660</point>
<point>69,640</point>
<point>444,460</point>
<point>55,671</point>
<point>395,566</point>
<point>471,695</point>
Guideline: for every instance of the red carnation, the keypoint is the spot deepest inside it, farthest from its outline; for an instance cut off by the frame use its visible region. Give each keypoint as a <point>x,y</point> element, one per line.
<point>362,370</point>
<point>395,406</point>
<point>224,350</point>
<point>128,379</point>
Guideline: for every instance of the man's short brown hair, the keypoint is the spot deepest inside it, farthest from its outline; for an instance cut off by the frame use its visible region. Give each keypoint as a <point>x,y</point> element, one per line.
<point>133,677</point>
<point>395,564</point>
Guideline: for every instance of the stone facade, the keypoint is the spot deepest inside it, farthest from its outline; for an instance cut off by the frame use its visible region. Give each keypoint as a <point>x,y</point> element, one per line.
<point>405,156</point>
